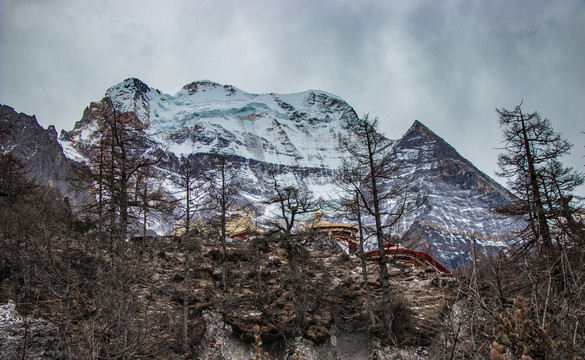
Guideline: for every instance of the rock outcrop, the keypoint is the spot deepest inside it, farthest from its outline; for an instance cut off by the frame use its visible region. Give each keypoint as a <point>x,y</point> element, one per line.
<point>40,336</point>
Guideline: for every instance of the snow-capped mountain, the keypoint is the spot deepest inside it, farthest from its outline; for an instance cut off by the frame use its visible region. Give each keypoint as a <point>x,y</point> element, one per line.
<point>299,130</point>
<point>299,136</point>
<point>458,199</point>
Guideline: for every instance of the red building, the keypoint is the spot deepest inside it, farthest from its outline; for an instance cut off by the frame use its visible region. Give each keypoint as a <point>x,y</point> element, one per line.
<point>346,235</point>
<point>413,258</point>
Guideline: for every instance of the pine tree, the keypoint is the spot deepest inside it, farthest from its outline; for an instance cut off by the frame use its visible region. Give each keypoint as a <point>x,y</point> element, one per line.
<point>190,182</point>
<point>119,170</point>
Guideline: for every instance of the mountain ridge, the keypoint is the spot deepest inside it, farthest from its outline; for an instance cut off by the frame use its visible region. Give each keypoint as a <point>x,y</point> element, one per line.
<point>37,148</point>
<point>299,135</point>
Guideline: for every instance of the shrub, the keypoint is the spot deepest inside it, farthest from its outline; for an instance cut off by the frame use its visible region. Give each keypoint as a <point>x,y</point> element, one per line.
<point>517,336</point>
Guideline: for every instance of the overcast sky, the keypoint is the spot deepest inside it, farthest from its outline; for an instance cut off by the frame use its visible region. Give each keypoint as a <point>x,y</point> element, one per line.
<point>448,64</point>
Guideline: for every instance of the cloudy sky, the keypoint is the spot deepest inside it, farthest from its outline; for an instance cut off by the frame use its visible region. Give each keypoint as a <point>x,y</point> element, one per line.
<point>448,64</point>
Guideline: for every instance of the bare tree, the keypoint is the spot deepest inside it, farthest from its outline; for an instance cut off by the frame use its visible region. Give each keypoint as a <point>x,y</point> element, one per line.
<point>381,192</point>
<point>190,182</point>
<point>353,210</point>
<point>118,166</point>
<point>150,196</point>
<point>15,190</point>
<point>223,188</point>
<point>542,186</point>
<point>291,201</point>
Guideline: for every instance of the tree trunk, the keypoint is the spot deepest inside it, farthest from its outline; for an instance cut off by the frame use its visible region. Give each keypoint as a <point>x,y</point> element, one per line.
<point>543,228</point>
<point>187,274</point>
<point>364,265</point>
<point>382,263</point>
<point>223,204</point>
<point>187,283</point>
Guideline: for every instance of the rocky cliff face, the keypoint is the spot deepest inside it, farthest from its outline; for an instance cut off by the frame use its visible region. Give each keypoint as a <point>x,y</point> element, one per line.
<point>21,135</point>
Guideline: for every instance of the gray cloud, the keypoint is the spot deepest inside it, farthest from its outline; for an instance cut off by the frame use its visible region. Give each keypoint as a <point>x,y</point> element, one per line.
<point>448,64</point>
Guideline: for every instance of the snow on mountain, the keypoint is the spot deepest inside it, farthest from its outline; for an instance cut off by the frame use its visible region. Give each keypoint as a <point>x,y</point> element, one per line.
<point>299,136</point>
<point>458,199</point>
<point>206,117</point>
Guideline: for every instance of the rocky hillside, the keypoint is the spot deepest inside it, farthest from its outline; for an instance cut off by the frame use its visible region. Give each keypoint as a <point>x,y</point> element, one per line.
<point>309,297</point>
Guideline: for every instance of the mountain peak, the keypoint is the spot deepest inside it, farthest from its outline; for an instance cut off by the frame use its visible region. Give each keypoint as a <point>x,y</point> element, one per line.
<point>129,85</point>
<point>131,88</point>
<point>420,128</point>
<point>419,133</point>
<point>302,132</point>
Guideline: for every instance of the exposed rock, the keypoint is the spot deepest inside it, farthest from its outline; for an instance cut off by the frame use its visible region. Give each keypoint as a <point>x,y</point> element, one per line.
<point>38,149</point>
<point>35,338</point>
<point>296,135</point>
<point>219,342</point>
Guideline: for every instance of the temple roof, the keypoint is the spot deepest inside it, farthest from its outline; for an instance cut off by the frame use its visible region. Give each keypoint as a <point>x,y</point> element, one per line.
<point>322,224</point>
<point>242,224</point>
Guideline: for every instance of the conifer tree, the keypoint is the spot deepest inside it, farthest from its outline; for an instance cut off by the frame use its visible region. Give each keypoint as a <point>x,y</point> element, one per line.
<point>375,178</point>
<point>190,182</point>
<point>542,186</point>
<point>223,187</point>
<point>119,168</point>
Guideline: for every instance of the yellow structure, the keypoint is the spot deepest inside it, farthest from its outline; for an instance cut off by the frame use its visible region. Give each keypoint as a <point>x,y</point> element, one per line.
<point>179,229</point>
<point>345,233</point>
<point>241,227</point>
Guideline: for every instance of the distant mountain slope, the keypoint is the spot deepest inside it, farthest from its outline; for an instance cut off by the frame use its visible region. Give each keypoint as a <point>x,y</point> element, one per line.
<point>298,135</point>
<point>38,148</point>
<point>458,199</point>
